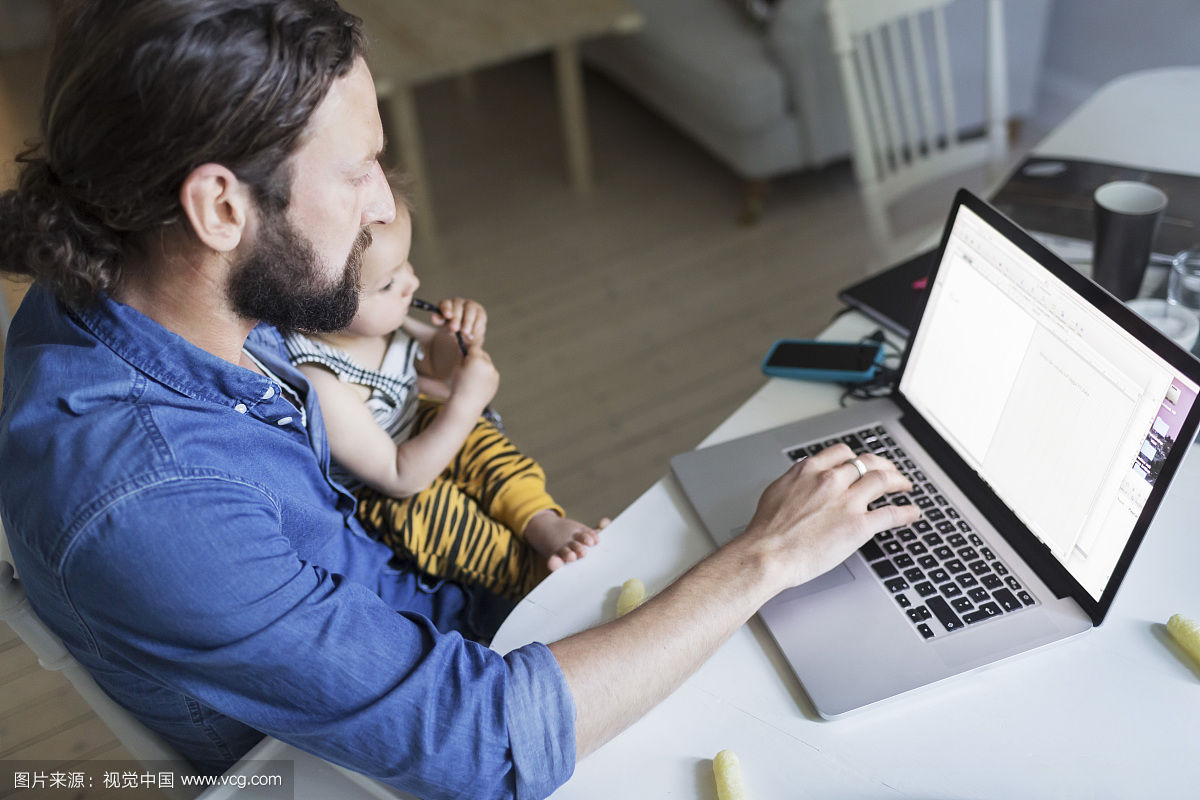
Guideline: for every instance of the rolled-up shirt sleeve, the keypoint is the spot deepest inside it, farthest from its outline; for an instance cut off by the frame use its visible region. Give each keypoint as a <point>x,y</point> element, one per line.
<point>541,721</point>
<point>218,606</point>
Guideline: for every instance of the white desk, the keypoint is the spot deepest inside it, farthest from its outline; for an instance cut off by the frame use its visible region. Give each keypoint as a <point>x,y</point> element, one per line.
<point>1112,714</point>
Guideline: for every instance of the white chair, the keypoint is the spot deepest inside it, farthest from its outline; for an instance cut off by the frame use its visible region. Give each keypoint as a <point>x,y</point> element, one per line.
<point>894,62</point>
<point>313,777</point>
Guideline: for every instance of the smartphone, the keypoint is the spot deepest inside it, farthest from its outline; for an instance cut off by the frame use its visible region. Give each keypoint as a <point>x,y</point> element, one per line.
<point>812,360</point>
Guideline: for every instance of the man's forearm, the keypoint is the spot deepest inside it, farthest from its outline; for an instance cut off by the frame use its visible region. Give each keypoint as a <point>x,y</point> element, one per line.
<point>619,671</point>
<point>808,521</point>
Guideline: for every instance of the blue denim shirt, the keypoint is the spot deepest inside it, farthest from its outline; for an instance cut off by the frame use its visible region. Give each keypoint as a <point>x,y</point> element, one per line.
<point>172,519</point>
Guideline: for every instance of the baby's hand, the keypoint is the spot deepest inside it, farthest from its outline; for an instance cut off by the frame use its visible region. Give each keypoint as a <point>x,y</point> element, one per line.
<point>476,379</point>
<point>462,315</point>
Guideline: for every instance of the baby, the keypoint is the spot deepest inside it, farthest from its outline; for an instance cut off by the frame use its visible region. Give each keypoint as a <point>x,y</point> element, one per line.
<point>434,480</point>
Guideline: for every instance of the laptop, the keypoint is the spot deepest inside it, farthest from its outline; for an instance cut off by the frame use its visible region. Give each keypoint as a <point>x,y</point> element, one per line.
<point>1038,419</point>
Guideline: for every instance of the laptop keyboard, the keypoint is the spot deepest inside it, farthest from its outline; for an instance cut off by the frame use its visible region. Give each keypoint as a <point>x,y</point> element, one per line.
<point>939,570</point>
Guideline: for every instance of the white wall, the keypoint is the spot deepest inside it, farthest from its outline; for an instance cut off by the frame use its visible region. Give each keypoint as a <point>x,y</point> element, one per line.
<point>1092,41</point>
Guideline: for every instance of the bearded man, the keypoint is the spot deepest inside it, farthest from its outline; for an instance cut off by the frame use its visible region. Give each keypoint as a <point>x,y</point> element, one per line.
<point>207,173</point>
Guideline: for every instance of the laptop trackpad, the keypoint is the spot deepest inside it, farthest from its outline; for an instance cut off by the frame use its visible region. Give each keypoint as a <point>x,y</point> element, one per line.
<point>835,577</point>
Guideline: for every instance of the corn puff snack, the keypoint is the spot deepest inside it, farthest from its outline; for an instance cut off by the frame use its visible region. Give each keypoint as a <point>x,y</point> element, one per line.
<point>633,592</point>
<point>727,771</point>
<point>1187,633</point>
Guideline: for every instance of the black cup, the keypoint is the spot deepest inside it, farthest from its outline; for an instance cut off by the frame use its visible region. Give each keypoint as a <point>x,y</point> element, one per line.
<point>1127,215</point>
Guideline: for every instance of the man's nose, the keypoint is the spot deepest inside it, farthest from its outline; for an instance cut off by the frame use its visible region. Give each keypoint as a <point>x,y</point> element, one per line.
<point>381,205</point>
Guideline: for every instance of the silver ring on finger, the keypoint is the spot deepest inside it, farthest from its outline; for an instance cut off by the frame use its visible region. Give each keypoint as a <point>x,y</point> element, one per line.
<point>858,465</point>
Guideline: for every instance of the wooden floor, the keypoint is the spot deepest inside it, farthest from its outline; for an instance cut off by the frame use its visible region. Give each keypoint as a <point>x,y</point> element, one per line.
<point>626,324</point>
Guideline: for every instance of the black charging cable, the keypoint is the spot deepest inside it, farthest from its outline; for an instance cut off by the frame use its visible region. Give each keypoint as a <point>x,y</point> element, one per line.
<point>884,381</point>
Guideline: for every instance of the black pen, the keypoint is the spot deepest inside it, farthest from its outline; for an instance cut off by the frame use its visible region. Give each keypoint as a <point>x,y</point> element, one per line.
<point>425,305</point>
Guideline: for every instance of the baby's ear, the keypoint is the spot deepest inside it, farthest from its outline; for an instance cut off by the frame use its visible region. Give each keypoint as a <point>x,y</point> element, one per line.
<point>217,206</point>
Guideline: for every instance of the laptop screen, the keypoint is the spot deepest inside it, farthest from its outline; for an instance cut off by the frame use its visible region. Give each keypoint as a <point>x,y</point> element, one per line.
<point>1061,411</point>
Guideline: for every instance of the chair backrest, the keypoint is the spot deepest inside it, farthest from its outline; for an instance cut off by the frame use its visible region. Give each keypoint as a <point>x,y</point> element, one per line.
<point>894,63</point>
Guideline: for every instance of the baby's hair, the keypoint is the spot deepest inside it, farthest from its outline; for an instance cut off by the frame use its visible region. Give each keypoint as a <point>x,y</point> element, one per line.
<point>400,183</point>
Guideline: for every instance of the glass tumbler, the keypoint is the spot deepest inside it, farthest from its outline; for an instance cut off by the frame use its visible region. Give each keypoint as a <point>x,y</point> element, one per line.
<point>1183,283</point>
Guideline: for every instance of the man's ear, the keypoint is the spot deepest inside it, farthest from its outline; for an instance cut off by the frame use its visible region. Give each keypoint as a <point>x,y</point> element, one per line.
<point>217,205</point>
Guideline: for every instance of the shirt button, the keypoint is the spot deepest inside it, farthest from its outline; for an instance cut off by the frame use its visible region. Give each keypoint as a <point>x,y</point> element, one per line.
<point>283,421</point>
<point>240,408</point>
<point>269,393</point>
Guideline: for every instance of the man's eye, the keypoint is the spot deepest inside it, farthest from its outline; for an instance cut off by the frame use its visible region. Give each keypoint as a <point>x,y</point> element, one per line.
<point>365,178</point>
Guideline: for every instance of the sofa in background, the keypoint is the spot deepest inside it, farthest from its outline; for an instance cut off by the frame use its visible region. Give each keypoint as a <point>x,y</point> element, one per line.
<point>763,96</point>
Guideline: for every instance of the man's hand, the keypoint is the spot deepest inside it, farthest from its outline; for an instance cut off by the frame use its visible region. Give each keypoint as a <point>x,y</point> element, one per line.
<point>815,515</point>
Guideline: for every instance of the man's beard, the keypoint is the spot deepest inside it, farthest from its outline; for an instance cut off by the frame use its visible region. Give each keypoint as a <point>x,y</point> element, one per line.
<point>277,282</point>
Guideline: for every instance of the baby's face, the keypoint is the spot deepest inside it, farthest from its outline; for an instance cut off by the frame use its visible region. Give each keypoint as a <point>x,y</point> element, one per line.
<point>388,280</point>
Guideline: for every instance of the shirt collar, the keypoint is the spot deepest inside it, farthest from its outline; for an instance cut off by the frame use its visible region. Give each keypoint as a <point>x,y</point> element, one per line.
<point>172,360</point>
